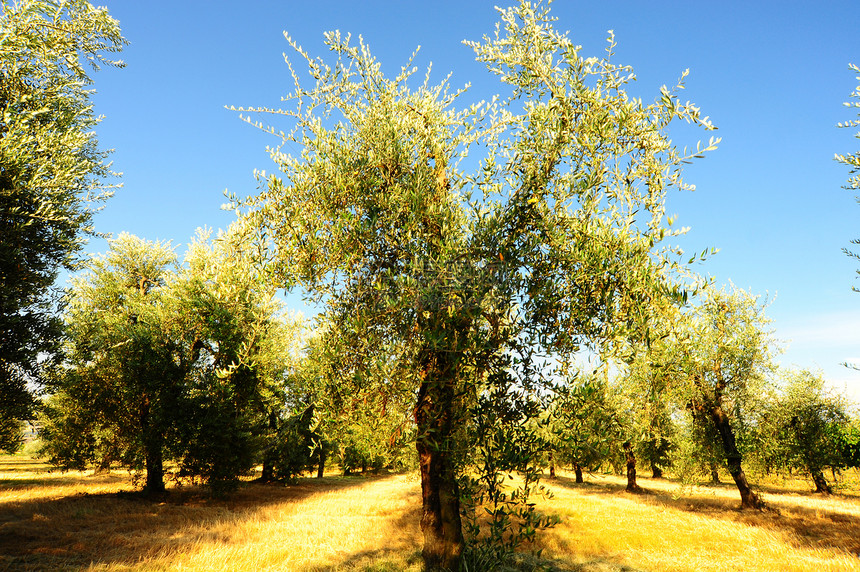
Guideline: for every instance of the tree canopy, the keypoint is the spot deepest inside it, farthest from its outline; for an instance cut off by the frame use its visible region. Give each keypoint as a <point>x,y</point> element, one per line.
<point>52,172</point>
<point>466,272</point>
<point>169,362</point>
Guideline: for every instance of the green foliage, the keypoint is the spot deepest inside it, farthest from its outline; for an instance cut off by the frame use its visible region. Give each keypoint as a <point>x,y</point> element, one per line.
<point>713,362</point>
<point>852,160</point>
<point>241,351</point>
<point>698,453</point>
<point>722,353</point>
<point>122,380</point>
<point>169,363</point>
<point>848,440</point>
<point>502,442</point>
<point>295,446</point>
<point>554,242</point>
<point>11,434</point>
<point>646,414</point>
<point>585,427</point>
<point>51,173</point>
<point>367,420</point>
<point>805,427</point>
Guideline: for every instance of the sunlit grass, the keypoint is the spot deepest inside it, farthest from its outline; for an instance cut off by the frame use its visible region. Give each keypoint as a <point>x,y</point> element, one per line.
<point>702,529</point>
<point>79,522</point>
<point>75,521</point>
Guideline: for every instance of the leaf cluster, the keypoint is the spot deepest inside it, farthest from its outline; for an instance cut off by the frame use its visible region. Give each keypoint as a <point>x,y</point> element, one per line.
<point>180,361</point>
<point>52,171</point>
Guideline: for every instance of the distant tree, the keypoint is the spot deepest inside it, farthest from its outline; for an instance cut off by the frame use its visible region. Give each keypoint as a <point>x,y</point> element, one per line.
<point>849,443</point>
<point>51,173</point>
<point>700,446</point>
<point>465,281</point>
<point>242,350</point>
<point>725,356</point>
<point>805,426</point>
<point>293,447</point>
<point>11,432</point>
<point>585,429</point>
<point>646,411</point>
<point>168,363</point>
<point>122,385</point>
<point>370,425</point>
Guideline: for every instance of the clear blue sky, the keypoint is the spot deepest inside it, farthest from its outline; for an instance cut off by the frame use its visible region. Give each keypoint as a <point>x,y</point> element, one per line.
<point>772,75</point>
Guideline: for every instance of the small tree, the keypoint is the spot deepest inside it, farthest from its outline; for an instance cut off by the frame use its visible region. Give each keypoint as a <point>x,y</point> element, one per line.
<point>242,348</point>
<point>646,411</point>
<point>122,379</point>
<point>725,358</point>
<point>51,173</point>
<point>849,443</point>
<point>168,363</point>
<point>806,425</point>
<point>584,425</point>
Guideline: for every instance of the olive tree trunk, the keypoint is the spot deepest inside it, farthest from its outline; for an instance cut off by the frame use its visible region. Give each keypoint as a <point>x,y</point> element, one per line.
<point>749,499</point>
<point>821,484</point>
<point>321,465</point>
<point>153,452</point>
<point>632,486</point>
<point>440,516</point>
<point>715,473</point>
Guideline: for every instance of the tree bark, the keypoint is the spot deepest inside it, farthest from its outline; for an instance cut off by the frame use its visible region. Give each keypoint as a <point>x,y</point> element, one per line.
<point>267,475</point>
<point>440,518</point>
<point>321,466</point>
<point>656,472</point>
<point>749,499</point>
<point>632,486</point>
<point>153,453</point>
<point>821,485</point>
<point>270,456</point>
<point>551,466</point>
<point>715,474</point>
<point>154,469</point>
<point>578,470</point>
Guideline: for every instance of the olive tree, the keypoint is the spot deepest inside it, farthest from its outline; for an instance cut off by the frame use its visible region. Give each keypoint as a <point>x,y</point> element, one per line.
<point>647,411</point>
<point>584,426</point>
<point>52,172</point>
<point>120,388</point>
<point>169,362</point>
<point>724,356</point>
<point>243,349</point>
<point>804,425</point>
<point>466,274</point>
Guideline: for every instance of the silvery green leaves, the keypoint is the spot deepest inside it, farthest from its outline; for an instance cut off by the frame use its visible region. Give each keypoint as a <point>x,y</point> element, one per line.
<point>478,247</point>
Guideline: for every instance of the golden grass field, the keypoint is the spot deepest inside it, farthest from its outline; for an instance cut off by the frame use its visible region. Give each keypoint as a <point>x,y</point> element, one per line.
<point>77,521</point>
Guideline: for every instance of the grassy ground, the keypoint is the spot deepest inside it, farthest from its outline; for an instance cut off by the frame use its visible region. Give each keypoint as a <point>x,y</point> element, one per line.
<point>77,521</point>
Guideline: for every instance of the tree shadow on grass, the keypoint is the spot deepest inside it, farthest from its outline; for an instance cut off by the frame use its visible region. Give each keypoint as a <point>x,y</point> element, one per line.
<point>604,488</point>
<point>126,528</point>
<point>812,527</point>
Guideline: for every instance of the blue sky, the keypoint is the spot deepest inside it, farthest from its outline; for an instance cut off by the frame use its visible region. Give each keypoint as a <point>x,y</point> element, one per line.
<point>772,75</point>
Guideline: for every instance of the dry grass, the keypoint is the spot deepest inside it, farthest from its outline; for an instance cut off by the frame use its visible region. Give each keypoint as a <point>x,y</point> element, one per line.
<point>50,521</point>
<point>702,529</point>
<point>74,521</point>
